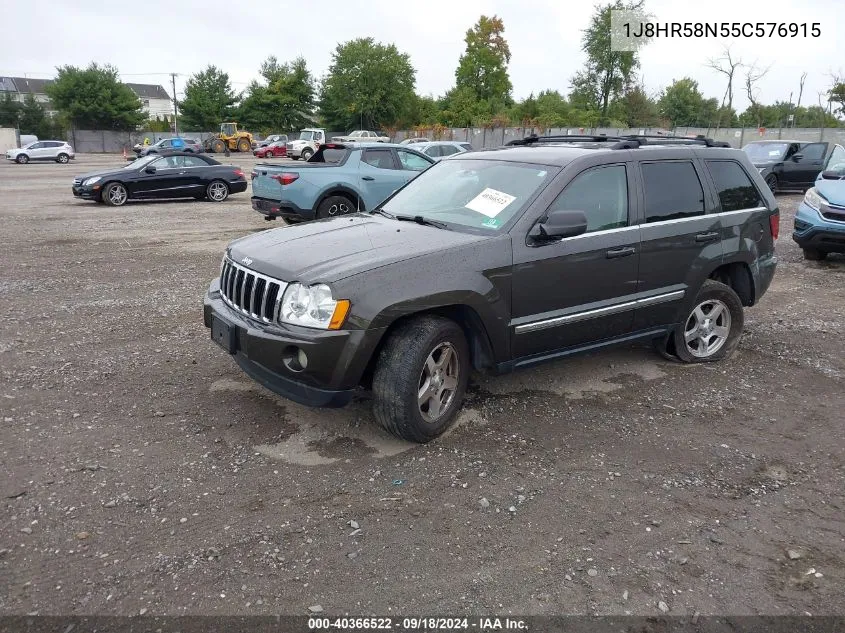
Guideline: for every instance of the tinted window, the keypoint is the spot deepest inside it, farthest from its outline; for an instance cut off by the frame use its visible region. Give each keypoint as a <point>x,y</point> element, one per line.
<point>735,188</point>
<point>379,158</point>
<point>672,190</point>
<point>814,151</point>
<point>432,151</point>
<point>466,146</point>
<point>836,162</point>
<point>601,193</point>
<point>411,161</point>
<point>448,150</point>
<point>36,146</point>
<point>53,144</point>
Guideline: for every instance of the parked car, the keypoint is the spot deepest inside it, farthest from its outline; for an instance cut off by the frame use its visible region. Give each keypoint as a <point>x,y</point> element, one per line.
<point>820,219</point>
<point>273,150</point>
<point>339,179</point>
<point>170,175</point>
<point>270,139</point>
<point>415,139</point>
<point>787,164</point>
<point>176,144</point>
<point>309,141</point>
<point>361,136</point>
<point>58,151</point>
<point>440,149</point>
<point>497,260</point>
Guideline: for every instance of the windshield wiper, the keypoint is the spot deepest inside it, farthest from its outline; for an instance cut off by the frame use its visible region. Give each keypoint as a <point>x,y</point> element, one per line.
<point>381,211</point>
<point>421,220</point>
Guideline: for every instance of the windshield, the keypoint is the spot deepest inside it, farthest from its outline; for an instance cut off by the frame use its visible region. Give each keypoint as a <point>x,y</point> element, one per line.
<point>306,136</point>
<point>836,162</point>
<point>136,164</point>
<point>765,151</point>
<point>481,194</point>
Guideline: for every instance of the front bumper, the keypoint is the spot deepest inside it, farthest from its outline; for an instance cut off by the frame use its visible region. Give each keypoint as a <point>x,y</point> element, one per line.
<point>814,231</point>
<point>277,209</point>
<point>86,193</point>
<point>336,359</point>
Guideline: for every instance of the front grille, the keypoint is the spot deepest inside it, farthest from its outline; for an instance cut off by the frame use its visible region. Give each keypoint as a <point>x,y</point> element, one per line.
<point>249,292</point>
<point>837,214</point>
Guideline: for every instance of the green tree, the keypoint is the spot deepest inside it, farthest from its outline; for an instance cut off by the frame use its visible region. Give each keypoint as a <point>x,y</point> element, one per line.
<point>368,85</point>
<point>553,110</point>
<point>209,100</point>
<point>35,120</point>
<point>10,111</point>
<point>483,68</point>
<point>284,102</point>
<point>607,72</point>
<point>461,108</point>
<point>638,109</point>
<point>95,98</point>
<point>683,105</point>
<point>837,94</point>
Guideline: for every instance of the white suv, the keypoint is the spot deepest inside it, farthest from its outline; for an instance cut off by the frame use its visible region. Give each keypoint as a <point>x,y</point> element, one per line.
<point>58,151</point>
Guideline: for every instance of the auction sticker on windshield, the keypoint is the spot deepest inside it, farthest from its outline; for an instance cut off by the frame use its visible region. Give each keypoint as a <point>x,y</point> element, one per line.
<point>490,202</point>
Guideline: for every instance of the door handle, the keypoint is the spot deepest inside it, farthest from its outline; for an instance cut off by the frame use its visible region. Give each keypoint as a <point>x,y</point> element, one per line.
<point>621,252</point>
<point>367,178</point>
<point>707,237</point>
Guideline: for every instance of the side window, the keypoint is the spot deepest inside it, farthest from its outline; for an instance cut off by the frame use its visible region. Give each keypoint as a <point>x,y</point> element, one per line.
<point>601,193</point>
<point>52,144</point>
<point>38,145</point>
<point>433,150</point>
<point>735,189</point>
<point>813,151</point>
<point>379,158</point>
<point>159,163</point>
<point>672,190</point>
<point>412,162</point>
<point>193,161</point>
<point>837,159</point>
<point>448,150</point>
<point>467,146</point>
<point>166,143</point>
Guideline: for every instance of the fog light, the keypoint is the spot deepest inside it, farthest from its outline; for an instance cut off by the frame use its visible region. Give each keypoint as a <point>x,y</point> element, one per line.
<point>302,357</point>
<point>295,358</point>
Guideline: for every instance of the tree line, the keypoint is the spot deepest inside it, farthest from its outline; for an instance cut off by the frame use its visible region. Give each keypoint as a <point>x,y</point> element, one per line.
<point>371,85</point>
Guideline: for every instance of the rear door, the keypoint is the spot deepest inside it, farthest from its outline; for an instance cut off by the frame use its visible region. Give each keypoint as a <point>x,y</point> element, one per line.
<point>810,164</point>
<point>681,239</point>
<point>379,175</point>
<point>581,289</point>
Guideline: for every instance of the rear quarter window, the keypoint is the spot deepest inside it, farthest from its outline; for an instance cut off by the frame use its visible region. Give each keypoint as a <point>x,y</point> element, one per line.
<point>735,189</point>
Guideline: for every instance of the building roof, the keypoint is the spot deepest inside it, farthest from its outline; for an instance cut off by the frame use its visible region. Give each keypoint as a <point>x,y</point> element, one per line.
<point>26,85</point>
<point>150,91</point>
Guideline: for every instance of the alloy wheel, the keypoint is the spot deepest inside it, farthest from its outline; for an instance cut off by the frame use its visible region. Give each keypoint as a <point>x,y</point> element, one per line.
<point>117,195</point>
<point>707,328</point>
<point>217,191</point>
<point>438,382</point>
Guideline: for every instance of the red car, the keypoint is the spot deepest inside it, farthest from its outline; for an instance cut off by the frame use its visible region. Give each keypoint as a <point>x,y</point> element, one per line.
<point>273,150</point>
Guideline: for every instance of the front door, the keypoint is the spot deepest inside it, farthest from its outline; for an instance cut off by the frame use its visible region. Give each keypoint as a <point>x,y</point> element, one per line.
<point>379,175</point>
<point>170,179</point>
<point>579,290</point>
<point>681,240</point>
<point>810,164</point>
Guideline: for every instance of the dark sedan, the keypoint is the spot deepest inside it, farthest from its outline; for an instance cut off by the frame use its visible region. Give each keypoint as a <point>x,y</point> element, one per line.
<point>172,175</point>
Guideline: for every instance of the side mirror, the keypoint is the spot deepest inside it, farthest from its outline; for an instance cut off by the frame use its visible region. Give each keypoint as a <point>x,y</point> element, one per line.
<point>150,170</point>
<point>797,157</point>
<point>560,224</point>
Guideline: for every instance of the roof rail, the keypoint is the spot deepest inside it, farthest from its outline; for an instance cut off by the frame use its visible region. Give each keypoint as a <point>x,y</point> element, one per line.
<point>628,141</point>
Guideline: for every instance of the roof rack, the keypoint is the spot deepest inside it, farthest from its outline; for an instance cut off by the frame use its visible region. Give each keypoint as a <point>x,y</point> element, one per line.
<point>628,141</point>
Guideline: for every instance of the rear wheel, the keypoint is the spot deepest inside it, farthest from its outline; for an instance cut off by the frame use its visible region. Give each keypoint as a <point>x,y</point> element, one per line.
<point>335,205</point>
<point>114,194</point>
<point>22,159</point>
<point>712,330</point>
<point>217,191</point>
<point>772,182</point>
<point>814,254</point>
<point>421,378</point>
<point>62,158</point>
<point>244,145</point>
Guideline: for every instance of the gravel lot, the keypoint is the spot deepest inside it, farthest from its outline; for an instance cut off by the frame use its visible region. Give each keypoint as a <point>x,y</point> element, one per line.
<point>140,469</point>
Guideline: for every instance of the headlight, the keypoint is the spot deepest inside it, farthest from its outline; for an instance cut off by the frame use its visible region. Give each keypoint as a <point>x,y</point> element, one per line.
<point>313,306</point>
<point>813,199</point>
<point>91,181</point>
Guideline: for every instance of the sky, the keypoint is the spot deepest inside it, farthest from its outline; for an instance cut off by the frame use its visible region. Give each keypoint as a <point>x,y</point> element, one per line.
<point>148,40</point>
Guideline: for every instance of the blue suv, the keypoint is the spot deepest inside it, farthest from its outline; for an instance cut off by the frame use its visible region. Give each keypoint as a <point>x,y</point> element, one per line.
<point>820,220</point>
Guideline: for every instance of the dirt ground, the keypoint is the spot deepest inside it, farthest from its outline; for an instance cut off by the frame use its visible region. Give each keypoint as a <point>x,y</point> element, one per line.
<point>141,470</point>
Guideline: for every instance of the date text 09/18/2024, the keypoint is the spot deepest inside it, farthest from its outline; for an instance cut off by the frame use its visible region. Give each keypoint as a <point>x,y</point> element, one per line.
<point>417,624</point>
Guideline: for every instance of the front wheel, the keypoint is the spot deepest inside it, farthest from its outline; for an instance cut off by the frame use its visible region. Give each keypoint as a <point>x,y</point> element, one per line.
<point>306,154</point>
<point>217,191</point>
<point>712,330</point>
<point>421,378</point>
<point>62,158</point>
<point>22,159</point>
<point>114,194</point>
<point>772,182</point>
<point>244,145</point>
<point>814,254</point>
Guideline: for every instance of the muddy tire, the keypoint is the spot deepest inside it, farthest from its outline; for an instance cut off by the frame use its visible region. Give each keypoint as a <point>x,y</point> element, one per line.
<point>814,254</point>
<point>244,145</point>
<point>712,330</point>
<point>665,346</point>
<point>218,146</point>
<point>421,378</point>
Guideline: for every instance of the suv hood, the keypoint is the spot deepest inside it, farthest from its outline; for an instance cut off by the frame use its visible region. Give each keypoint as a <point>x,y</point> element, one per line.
<point>831,190</point>
<point>335,248</point>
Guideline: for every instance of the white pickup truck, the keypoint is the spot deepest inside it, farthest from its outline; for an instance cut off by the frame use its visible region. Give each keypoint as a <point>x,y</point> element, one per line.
<point>307,144</point>
<point>361,136</point>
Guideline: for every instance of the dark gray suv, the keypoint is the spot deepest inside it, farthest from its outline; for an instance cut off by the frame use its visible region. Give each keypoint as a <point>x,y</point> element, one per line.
<point>497,260</point>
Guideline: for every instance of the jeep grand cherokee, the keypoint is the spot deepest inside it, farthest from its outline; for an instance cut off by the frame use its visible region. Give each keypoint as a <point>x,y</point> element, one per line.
<point>497,260</point>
